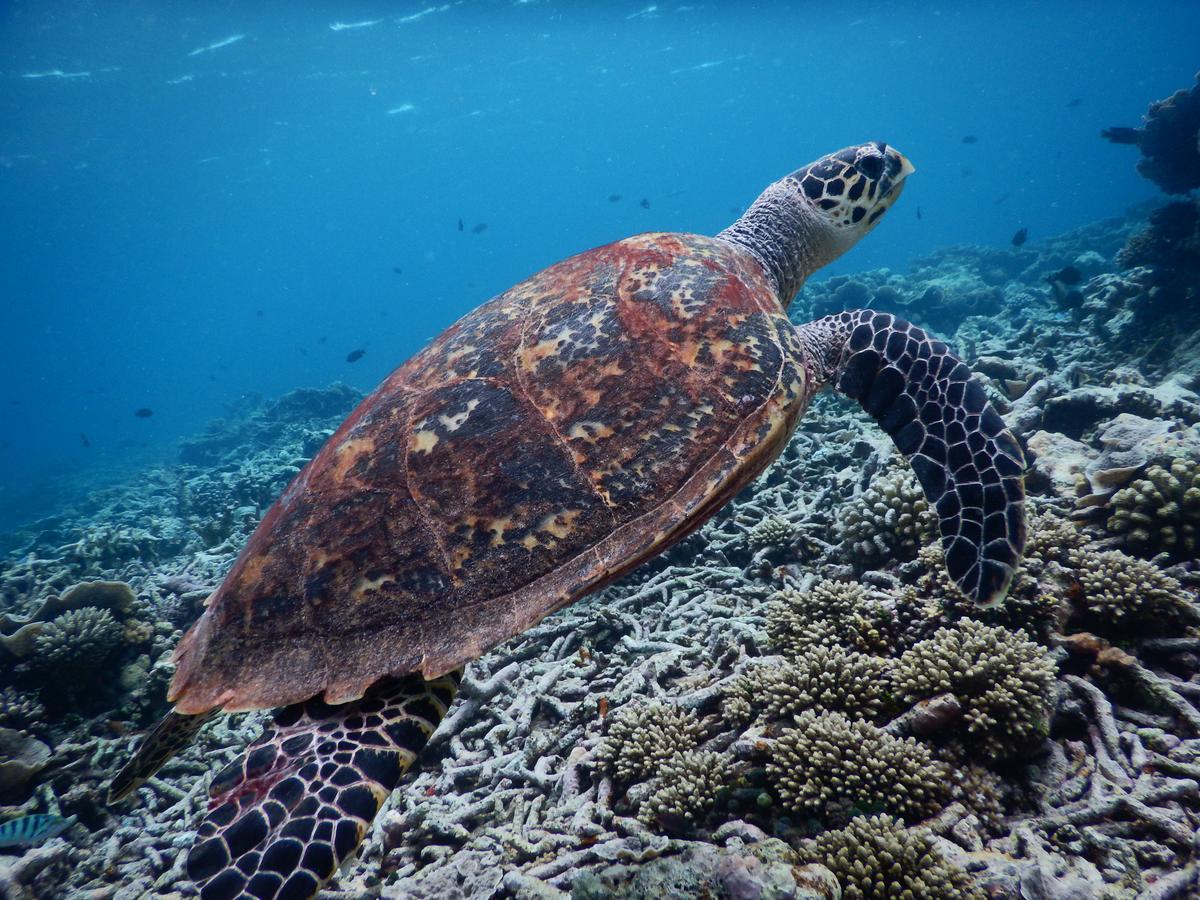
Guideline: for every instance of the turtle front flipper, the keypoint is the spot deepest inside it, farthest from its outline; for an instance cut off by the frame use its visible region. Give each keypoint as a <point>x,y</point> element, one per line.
<point>300,800</point>
<point>970,466</point>
<point>173,732</point>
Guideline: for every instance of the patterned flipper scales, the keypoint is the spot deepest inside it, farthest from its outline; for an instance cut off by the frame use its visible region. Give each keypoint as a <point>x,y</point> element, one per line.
<point>300,800</point>
<point>970,466</point>
<point>174,732</point>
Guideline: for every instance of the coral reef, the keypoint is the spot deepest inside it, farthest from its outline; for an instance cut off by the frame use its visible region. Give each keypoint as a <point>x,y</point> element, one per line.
<point>828,612</point>
<point>1160,513</point>
<point>832,767</point>
<point>685,788</point>
<point>877,856</point>
<point>1169,140</point>
<point>822,678</point>
<point>890,521</point>
<point>1001,679</point>
<point>703,723</point>
<point>1123,594</point>
<point>642,737</point>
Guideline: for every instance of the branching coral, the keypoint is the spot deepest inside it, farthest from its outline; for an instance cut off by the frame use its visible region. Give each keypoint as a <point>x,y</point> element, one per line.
<point>1122,592</point>
<point>832,767</point>
<point>822,678</point>
<point>890,521</point>
<point>643,736</point>
<point>686,788</point>
<point>878,857</point>
<point>79,641</point>
<point>772,531</point>
<point>830,612</point>
<point>1001,678</point>
<point>21,711</point>
<point>1160,513</point>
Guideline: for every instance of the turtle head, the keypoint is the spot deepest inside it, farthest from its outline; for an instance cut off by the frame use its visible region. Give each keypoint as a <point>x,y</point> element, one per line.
<point>811,217</point>
<point>853,188</point>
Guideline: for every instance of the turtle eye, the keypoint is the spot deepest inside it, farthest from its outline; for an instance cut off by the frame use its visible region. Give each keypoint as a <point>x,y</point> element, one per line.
<point>872,167</point>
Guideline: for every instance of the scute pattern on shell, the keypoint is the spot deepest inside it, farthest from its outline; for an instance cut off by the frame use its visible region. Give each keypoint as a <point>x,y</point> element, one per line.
<point>546,443</point>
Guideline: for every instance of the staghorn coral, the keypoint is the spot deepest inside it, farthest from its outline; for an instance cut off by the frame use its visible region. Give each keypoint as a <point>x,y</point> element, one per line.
<point>831,767</point>
<point>772,531</point>
<point>81,640</point>
<point>830,612</point>
<point>822,678</point>
<point>1121,592</point>
<point>889,522</point>
<point>643,736</point>
<point>878,857</point>
<point>1001,678</point>
<point>686,788</point>
<point>1160,513</point>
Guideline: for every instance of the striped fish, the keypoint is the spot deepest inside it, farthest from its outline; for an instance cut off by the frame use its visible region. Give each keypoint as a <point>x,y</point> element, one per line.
<point>30,830</point>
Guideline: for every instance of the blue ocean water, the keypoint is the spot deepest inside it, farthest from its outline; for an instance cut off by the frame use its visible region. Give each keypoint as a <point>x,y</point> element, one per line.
<point>205,201</point>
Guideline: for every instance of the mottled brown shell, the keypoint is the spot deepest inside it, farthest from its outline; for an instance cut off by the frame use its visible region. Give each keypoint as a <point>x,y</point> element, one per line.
<point>559,435</point>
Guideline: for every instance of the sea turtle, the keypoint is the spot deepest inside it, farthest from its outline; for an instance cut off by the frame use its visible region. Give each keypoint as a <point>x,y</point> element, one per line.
<point>546,443</point>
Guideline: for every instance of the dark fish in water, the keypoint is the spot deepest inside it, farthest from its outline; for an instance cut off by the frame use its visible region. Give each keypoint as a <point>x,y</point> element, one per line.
<point>144,413</point>
<point>645,204</point>
<point>1049,362</point>
<point>1069,275</point>
<point>1119,134</point>
<point>460,225</point>
<point>1020,237</point>
<point>397,270</point>
<point>258,312</point>
<point>83,439</point>
<point>355,355</point>
<point>918,212</point>
<point>1074,101</point>
<point>321,340</point>
<point>30,830</point>
<point>303,352</point>
<point>970,139</point>
<point>614,198</point>
<point>480,228</point>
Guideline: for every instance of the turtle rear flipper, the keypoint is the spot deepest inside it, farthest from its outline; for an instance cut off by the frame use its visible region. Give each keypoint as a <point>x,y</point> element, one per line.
<point>300,800</point>
<point>970,466</point>
<point>173,732</point>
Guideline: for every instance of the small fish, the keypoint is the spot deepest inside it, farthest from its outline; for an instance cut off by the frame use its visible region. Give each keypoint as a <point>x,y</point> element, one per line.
<point>460,225</point>
<point>614,198</point>
<point>30,830</point>
<point>355,355</point>
<point>1049,362</point>
<point>1074,102</point>
<point>321,340</point>
<point>83,439</point>
<point>480,228</point>
<point>397,270</point>
<point>645,204</point>
<point>918,212</point>
<point>144,413</point>
<point>1120,134</point>
<point>1069,275</point>
<point>259,313</point>
<point>1020,237</point>
<point>970,139</point>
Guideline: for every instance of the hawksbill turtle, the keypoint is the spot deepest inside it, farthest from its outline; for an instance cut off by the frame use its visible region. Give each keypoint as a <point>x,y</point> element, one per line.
<point>569,429</point>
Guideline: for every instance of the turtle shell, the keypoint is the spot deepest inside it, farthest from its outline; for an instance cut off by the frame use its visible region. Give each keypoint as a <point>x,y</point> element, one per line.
<point>546,443</point>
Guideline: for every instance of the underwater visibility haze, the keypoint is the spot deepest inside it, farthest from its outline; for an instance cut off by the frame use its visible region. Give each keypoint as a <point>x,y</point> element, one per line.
<point>599,593</point>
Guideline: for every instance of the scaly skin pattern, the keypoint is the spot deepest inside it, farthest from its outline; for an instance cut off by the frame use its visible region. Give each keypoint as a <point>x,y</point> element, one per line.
<point>299,801</point>
<point>970,466</point>
<point>546,443</point>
